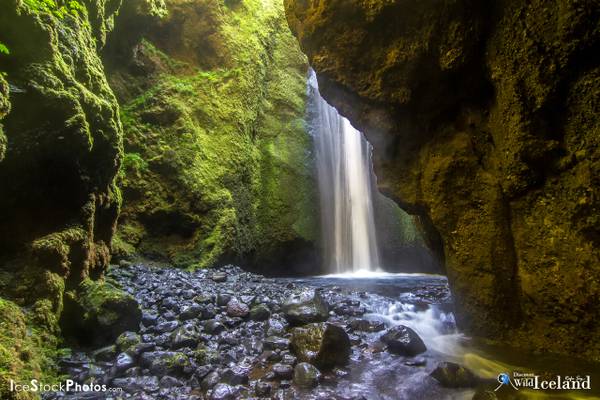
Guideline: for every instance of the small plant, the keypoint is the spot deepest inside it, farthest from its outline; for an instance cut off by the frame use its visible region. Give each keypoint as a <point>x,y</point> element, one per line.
<point>4,49</point>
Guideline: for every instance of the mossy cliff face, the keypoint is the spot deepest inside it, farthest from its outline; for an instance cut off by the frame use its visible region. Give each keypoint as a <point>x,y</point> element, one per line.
<point>59,201</point>
<point>485,124</point>
<point>60,148</point>
<point>217,163</point>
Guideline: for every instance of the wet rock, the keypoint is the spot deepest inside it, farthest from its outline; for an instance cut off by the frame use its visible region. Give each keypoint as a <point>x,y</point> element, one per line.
<point>283,371</point>
<point>260,312</point>
<point>306,375</point>
<point>236,375</point>
<point>453,375</point>
<point>248,299</point>
<point>349,310</point>
<point>210,381</point>
<point>162,363</point>
<point>169,382</point>
<point>223,391</point>
<point>274,327</point>
<point>100,313</point>
<point>213,327</point>
<point>236,308</point>
<point>223,299</point>
<point>324,345</point>
<point>123,362</point>
<point>404,341</point>
<point>208,312</point>
<point>203,299</point>
<point>127,340</point>
<point>149,319</point>
<point>140,348</point>
<point>167,326</point>
<point>170,304</point>
<point>288,359</point>
<point>416,362</point>
<point>185,336</point>
<point>305,307</point>
<point>366,325</point>
<point>137,384</point>
<point>219,277</point>
<point>276,343</point>
<point>262,389</point>
<point>191,312</point>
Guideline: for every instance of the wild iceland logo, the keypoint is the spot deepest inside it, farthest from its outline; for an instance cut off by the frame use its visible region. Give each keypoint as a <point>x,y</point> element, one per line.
<point>520,380</point>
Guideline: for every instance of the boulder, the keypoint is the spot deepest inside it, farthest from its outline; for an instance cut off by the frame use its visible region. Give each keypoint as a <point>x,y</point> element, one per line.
<point>404,341</point>
<point>453,375</point>
<point>324,345</point>
<point>223,391</point>
<point>260,312</point>
<point>305,307</point>
<point>306,375</point>
<point>236,308</point>
<point>162,363</point>
<point>219,277</point>
<point>191,312</point>
<point>126,340</point>
<point>98,312</point>
<point>185,336</point>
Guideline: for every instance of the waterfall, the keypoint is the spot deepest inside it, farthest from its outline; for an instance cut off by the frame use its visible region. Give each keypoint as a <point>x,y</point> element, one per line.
<point>346,188</point>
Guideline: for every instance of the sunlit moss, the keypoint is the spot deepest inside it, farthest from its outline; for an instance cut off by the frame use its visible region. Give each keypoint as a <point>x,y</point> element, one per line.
<point>225,152</point>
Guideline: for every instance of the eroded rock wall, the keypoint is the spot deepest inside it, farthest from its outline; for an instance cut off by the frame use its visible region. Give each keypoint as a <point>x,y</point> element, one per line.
<point>59,202</point>
<point>484,120</point>
<point>60,149</point>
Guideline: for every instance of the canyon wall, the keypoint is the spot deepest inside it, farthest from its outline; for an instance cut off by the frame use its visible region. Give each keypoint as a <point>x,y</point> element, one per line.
<point>60,148</point>
<point>484,121</point>
<point>218,164</point>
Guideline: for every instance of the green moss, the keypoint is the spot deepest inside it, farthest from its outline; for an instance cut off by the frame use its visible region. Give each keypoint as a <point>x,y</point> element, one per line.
<point>98,312</point>
<point>217,161</point>
<point>26,351</point>
<point>58,8</point>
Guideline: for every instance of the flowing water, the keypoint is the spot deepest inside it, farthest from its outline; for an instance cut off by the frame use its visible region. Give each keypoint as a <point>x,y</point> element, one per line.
<point>345,186</point>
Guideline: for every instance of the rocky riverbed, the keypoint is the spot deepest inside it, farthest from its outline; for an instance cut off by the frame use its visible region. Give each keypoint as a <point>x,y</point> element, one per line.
<point>229,334</point>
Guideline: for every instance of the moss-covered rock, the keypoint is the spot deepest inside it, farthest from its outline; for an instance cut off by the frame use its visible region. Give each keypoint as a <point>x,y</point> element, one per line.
<point>218,164</point>
<point>26,352</point>
<point>322,344</point>
<point>98,312</point>
<point>484,122</point>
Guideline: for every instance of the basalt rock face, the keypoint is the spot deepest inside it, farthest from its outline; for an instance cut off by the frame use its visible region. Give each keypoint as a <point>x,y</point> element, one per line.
<point>218,163</point>
<point>484,121</point>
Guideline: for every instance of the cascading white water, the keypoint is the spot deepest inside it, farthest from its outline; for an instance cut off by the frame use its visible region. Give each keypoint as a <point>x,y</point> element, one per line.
<point>345,186</point>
